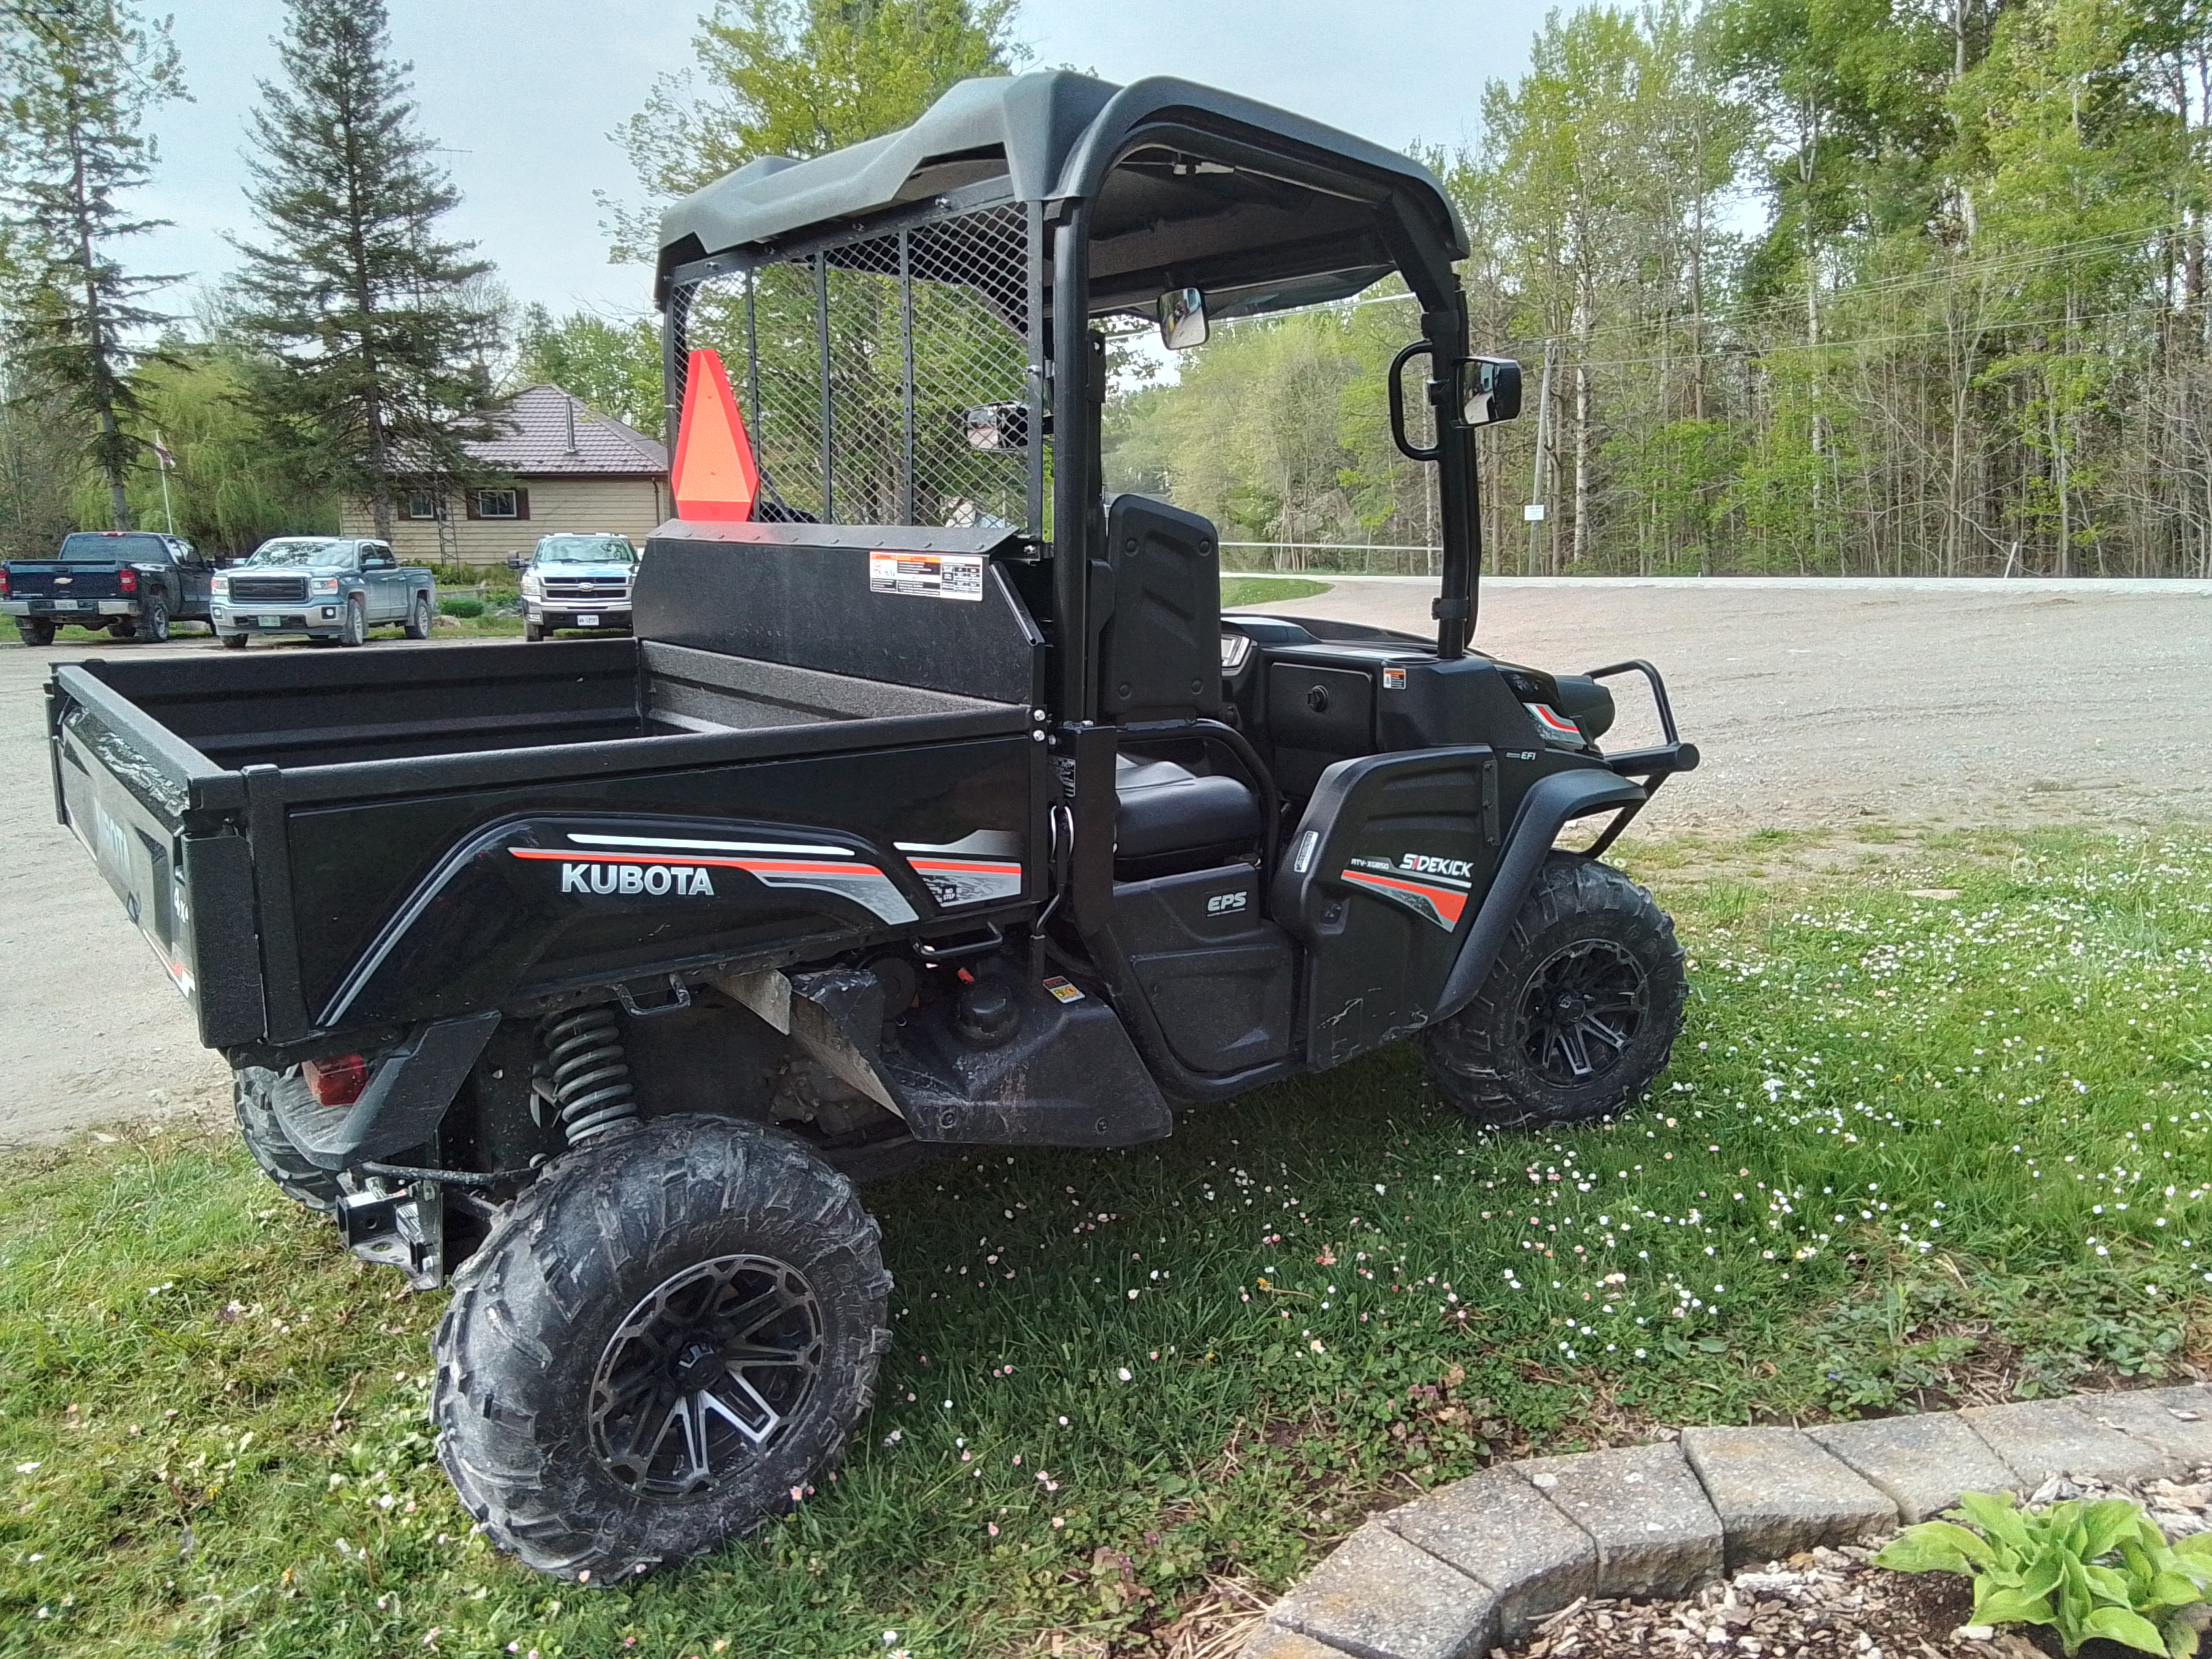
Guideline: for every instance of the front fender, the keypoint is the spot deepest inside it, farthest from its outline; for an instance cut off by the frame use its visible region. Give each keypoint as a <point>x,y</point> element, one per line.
<point>1550,804</point>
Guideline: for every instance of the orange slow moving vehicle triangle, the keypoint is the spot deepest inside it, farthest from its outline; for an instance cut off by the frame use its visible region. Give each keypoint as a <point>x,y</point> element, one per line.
<point>714,476</point>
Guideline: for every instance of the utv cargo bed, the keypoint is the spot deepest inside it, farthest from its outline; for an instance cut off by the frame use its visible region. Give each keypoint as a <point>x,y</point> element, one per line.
<point>280,827</point>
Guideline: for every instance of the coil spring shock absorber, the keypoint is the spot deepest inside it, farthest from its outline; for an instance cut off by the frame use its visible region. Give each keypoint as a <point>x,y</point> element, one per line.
<point>590,1074</point>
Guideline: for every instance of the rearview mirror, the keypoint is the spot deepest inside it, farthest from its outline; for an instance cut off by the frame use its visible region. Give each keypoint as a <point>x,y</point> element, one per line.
<point>1182,318</point>
<point>1489,390</point>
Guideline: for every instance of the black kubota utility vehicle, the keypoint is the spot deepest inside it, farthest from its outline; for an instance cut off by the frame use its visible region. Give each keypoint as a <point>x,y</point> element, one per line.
<point>933,803</point>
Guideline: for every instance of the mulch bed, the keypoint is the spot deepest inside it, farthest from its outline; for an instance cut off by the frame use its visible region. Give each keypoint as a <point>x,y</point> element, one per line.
<point>1833,1604</point>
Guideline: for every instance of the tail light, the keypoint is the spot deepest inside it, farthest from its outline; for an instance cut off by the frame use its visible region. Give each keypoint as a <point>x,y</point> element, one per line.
<point>127,580</point>
<point>337,1081</point>
<point>3,582</point>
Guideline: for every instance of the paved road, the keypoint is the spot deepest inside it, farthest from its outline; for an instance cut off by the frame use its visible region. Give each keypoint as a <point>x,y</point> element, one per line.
<point>1813,705</point>
<point>1818,704</point>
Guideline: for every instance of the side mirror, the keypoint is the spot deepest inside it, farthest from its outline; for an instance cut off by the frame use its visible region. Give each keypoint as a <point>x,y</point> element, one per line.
<point>1489,390</point>
<point>516,561</point>
<point>1182,318</point>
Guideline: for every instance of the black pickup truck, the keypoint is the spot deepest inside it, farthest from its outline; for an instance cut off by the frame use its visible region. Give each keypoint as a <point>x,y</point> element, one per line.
<point>134,583</point>
<point>934,802</point>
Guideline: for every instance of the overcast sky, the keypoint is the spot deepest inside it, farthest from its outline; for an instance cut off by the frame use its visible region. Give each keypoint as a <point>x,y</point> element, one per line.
<point>522,94</point>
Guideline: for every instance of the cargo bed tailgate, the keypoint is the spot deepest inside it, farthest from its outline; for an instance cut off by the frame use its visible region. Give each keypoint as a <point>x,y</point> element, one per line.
<point>165,827</point>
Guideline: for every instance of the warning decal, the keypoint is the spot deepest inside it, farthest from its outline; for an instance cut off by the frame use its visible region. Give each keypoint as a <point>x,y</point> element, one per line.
<point>927,575</point>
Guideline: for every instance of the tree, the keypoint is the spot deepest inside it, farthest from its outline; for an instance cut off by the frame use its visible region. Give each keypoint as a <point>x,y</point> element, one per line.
<point>798,78</point>
<point>375,331</point>
<point>231,489</point>
<point>41,460</point>
<point>80,78</point>
<point>613,367</point>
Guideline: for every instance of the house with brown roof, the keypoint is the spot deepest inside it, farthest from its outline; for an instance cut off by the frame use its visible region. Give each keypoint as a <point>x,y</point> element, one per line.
<point>560,466</point>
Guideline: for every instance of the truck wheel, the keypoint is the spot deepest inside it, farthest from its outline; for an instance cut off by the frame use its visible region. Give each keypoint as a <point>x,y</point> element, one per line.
<point>667,1336</point>
<point>1580,1011</point>
<point>35,630</point>
<point>355,630</point>
<point>533,631</point>
<point>153,623</point>
<point>418,619</point>
<point>297,1179</point>
<point>233,641</point>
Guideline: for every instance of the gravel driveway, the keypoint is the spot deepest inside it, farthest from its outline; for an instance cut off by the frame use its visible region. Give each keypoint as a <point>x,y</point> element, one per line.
<point>1813,704</point>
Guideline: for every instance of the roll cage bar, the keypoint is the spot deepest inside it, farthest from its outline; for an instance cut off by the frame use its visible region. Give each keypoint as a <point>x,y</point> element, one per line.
<point>1120,193</point>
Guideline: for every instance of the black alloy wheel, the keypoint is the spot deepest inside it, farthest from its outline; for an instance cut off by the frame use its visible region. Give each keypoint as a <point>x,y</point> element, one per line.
<point>710,1368</point>
<point>1578,1013</point>
<point>665,1341</point>
<point>1582,1011</point>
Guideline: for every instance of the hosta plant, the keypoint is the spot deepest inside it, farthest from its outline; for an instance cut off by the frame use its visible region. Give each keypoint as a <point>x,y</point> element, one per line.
<point>2101,1569</point>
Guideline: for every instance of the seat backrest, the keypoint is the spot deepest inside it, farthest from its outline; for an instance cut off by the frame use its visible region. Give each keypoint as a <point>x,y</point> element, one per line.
<point>1159,645</point>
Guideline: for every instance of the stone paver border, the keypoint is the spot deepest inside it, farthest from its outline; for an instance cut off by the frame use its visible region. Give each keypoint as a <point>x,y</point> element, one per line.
<point>1479,1562</point>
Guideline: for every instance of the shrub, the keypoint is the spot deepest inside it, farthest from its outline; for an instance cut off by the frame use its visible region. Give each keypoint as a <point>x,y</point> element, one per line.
<point>2086,1570</point>
<point>455,605</point>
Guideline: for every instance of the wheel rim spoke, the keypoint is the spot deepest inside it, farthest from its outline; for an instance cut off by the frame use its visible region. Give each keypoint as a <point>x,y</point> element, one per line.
<point>708,1370</point>
<point>1581,1010</point>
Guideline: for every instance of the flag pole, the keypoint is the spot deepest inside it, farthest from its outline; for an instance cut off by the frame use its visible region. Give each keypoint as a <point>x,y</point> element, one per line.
<point>162,466</point>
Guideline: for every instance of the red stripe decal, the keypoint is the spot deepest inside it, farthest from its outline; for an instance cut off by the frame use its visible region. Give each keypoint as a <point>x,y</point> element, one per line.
<point>1448,904</point>
<point>773,866</point>
<point>977,869</point>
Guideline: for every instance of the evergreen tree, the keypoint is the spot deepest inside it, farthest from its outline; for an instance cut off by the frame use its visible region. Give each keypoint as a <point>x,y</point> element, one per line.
<point>79,78</point>
<point>374,332</point>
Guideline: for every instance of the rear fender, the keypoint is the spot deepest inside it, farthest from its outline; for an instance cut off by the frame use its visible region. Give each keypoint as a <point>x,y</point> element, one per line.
<point>403,1103</point>
<point>528,907</point>
<point>1550,804</point>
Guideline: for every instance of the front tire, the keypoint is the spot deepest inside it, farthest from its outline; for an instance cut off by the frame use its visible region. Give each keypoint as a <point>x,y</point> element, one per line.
<point>418,619</point>
<point>233,641</point>
<point>34,630</point>
<point>356,629</point>
<point>1580,1011</point>
<point>671,1331</point>
<point>533,631</point>
<point>255,1090</point>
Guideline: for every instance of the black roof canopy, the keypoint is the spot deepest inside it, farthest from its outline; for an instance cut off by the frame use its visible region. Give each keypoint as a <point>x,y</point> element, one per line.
<point>1188,187</point>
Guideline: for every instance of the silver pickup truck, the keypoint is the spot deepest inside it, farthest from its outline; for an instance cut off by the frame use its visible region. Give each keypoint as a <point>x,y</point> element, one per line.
<point>577,581</point>
<point>334,588</point>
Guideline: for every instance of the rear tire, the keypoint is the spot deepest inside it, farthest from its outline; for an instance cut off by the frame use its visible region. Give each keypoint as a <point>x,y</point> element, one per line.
<point>1580,1011</point>
<point>256,1089</point>
<point>354,630</point>
<point>418,619</point>
<point>154,624</point>
<point>34,630</point>
<point>585,1362</point>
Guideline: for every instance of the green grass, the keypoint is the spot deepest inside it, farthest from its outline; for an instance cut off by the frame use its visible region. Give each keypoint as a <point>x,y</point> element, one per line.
<point>1258,590</point>
<point>1910,1153</point>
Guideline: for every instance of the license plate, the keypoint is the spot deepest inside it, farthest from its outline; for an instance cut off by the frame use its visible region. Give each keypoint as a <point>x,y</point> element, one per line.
<point>587,621</point>
<point>72,605</point>
<point>272,621</point>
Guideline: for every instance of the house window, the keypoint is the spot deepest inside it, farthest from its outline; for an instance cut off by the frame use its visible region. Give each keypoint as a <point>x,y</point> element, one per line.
<point>426,504</point>
<point>500,504</point>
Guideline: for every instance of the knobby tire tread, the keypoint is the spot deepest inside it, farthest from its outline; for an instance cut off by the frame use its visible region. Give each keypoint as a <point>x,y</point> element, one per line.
<point>1469,1055</point>
<point>567,1254</point>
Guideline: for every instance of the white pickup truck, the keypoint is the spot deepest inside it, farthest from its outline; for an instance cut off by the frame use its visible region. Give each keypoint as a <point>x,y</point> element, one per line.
<point>577,581</point>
